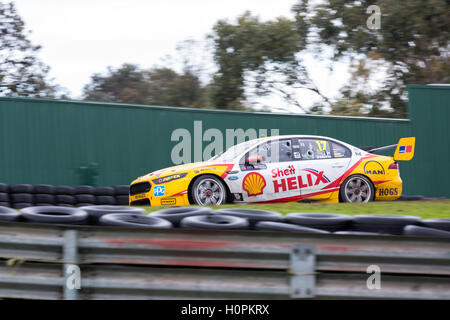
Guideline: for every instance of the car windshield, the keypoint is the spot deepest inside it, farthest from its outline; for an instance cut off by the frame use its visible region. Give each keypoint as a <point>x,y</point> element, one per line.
<point>234,151</point>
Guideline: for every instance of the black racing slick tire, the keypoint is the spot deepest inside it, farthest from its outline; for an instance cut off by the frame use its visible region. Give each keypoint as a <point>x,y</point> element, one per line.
<point>85,198</point>
<point>208,190</point>
<point>324,221</point>
<point>65,199</point>
<point>357,233</point>
<point>96,212</point>
<point>285,227</point>
<point>20,188</point>
<point>104,191</point>
<point>413,230</point>
<point>175,215</point>
<point>383,223</point>
<point>121,190</point>
<point>122,200</point>
<point>44,198</point>
<point>105,200</point>
<point>43,188</point>
<point>84,190</point>
<point>133,220</point>
<point>4,187</point>
<point>357,188</point>
<point>81,204</point>
<point>65,190</point>
<point>21,197</point>
<point>8,214</point>
<point>440,223</point>
<point>54,214</point>
<point>4,197</point>
<point>214,222</point>
<point>21,205</point>
<point>253,215</point>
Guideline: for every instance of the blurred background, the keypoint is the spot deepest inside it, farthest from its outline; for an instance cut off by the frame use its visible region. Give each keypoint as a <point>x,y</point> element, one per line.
<point>307,57</point>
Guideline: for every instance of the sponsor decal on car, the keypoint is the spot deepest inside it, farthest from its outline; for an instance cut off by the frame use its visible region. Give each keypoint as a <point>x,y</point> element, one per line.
<point>373,167</point>
<point>168,201</point>
<point>159,191</point>
<point>169,178</point>
<point>294,182</point>
<point>253,184</point>
<point>388,192</point>
<point>405,149</point>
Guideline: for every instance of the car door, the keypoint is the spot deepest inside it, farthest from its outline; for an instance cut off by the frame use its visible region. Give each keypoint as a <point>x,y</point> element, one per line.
<point>322,163</point>
<point>268,172</point>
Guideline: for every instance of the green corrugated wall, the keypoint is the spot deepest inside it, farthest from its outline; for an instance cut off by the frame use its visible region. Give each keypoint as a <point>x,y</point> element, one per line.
<point>45,141</point>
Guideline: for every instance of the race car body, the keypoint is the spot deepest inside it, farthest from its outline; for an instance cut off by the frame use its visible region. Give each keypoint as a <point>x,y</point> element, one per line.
<point>278,169</point>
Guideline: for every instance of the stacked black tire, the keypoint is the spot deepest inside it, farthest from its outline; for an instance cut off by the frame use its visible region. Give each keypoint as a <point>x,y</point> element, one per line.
<point>203,217</point>
<point>4,196</point>
<point>20,196</point>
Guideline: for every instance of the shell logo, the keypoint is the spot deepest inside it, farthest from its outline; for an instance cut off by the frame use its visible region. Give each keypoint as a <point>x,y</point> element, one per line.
<point>253,184</point>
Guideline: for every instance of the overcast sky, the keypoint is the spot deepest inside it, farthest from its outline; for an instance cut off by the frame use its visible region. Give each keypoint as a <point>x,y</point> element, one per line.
<point>79,38</point>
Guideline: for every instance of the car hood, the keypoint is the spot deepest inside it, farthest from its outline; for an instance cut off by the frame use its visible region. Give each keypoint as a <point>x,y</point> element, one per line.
<point>181,168</point>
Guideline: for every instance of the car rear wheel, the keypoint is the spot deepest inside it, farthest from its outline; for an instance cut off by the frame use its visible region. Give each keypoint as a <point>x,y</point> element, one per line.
<point>208,190</point>
<point>357,188</point>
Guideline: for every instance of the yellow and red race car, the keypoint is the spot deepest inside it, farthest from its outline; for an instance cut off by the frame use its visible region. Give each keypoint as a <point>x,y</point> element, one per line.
<point>278,169</point>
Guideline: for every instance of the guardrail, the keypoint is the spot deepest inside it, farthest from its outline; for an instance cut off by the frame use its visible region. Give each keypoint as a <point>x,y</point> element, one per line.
<point>126,263</point>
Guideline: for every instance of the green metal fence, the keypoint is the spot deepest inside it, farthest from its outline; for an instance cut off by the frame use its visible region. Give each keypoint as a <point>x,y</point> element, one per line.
<point>71,142</point>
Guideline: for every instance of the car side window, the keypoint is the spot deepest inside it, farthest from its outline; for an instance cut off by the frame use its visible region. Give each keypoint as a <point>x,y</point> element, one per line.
<point>339,151</point>
<point>270,152</point>
<point>315,149</point>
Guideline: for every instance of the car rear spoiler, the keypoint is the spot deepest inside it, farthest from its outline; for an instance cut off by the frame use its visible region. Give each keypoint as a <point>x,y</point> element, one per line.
<point>404,149</point>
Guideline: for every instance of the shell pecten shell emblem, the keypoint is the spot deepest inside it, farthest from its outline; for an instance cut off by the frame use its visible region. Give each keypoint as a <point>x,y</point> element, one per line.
<point>253,184</point>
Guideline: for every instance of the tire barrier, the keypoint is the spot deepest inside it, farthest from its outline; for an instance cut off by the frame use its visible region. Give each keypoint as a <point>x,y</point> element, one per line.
<point>325,221</point>
<point>205,218</point>
<point>64,190</point>
<point>253,215</point>
<point>53,214</point>
<point>412,230</point>
<point>442,224</point>
<point>384,224</point>
<point>214,222</point>
<point>175,215</point>
<point>3,188</point>
<point>26,195</point>
<point>104,191</point>
<point>43,188</point>
<point>8,214</point>
<point>133,220</point>
<point>96,212</point>
<point>281,226</point>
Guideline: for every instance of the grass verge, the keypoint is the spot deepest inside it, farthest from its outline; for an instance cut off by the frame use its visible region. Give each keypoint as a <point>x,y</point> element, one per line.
<point>422,209</point>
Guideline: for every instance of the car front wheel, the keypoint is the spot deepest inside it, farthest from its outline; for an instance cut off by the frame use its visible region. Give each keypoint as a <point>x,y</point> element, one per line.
<point>357,188</point>
<point>208,190</point>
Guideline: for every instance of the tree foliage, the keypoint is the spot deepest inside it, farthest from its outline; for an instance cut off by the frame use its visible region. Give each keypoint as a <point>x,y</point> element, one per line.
<point>21,72</point>
<point>259,53</point>
<point>157,86</point>
<point>412,43</point>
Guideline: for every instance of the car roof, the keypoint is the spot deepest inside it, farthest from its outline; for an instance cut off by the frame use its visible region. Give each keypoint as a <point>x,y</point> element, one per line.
<point>296,136</point>
<point>305,136</point>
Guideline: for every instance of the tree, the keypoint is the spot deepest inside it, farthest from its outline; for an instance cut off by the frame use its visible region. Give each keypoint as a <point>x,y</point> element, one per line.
<point>157,86</point>
<point>21,72</point>
<point>260,54</point>
<point>412,44</point>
